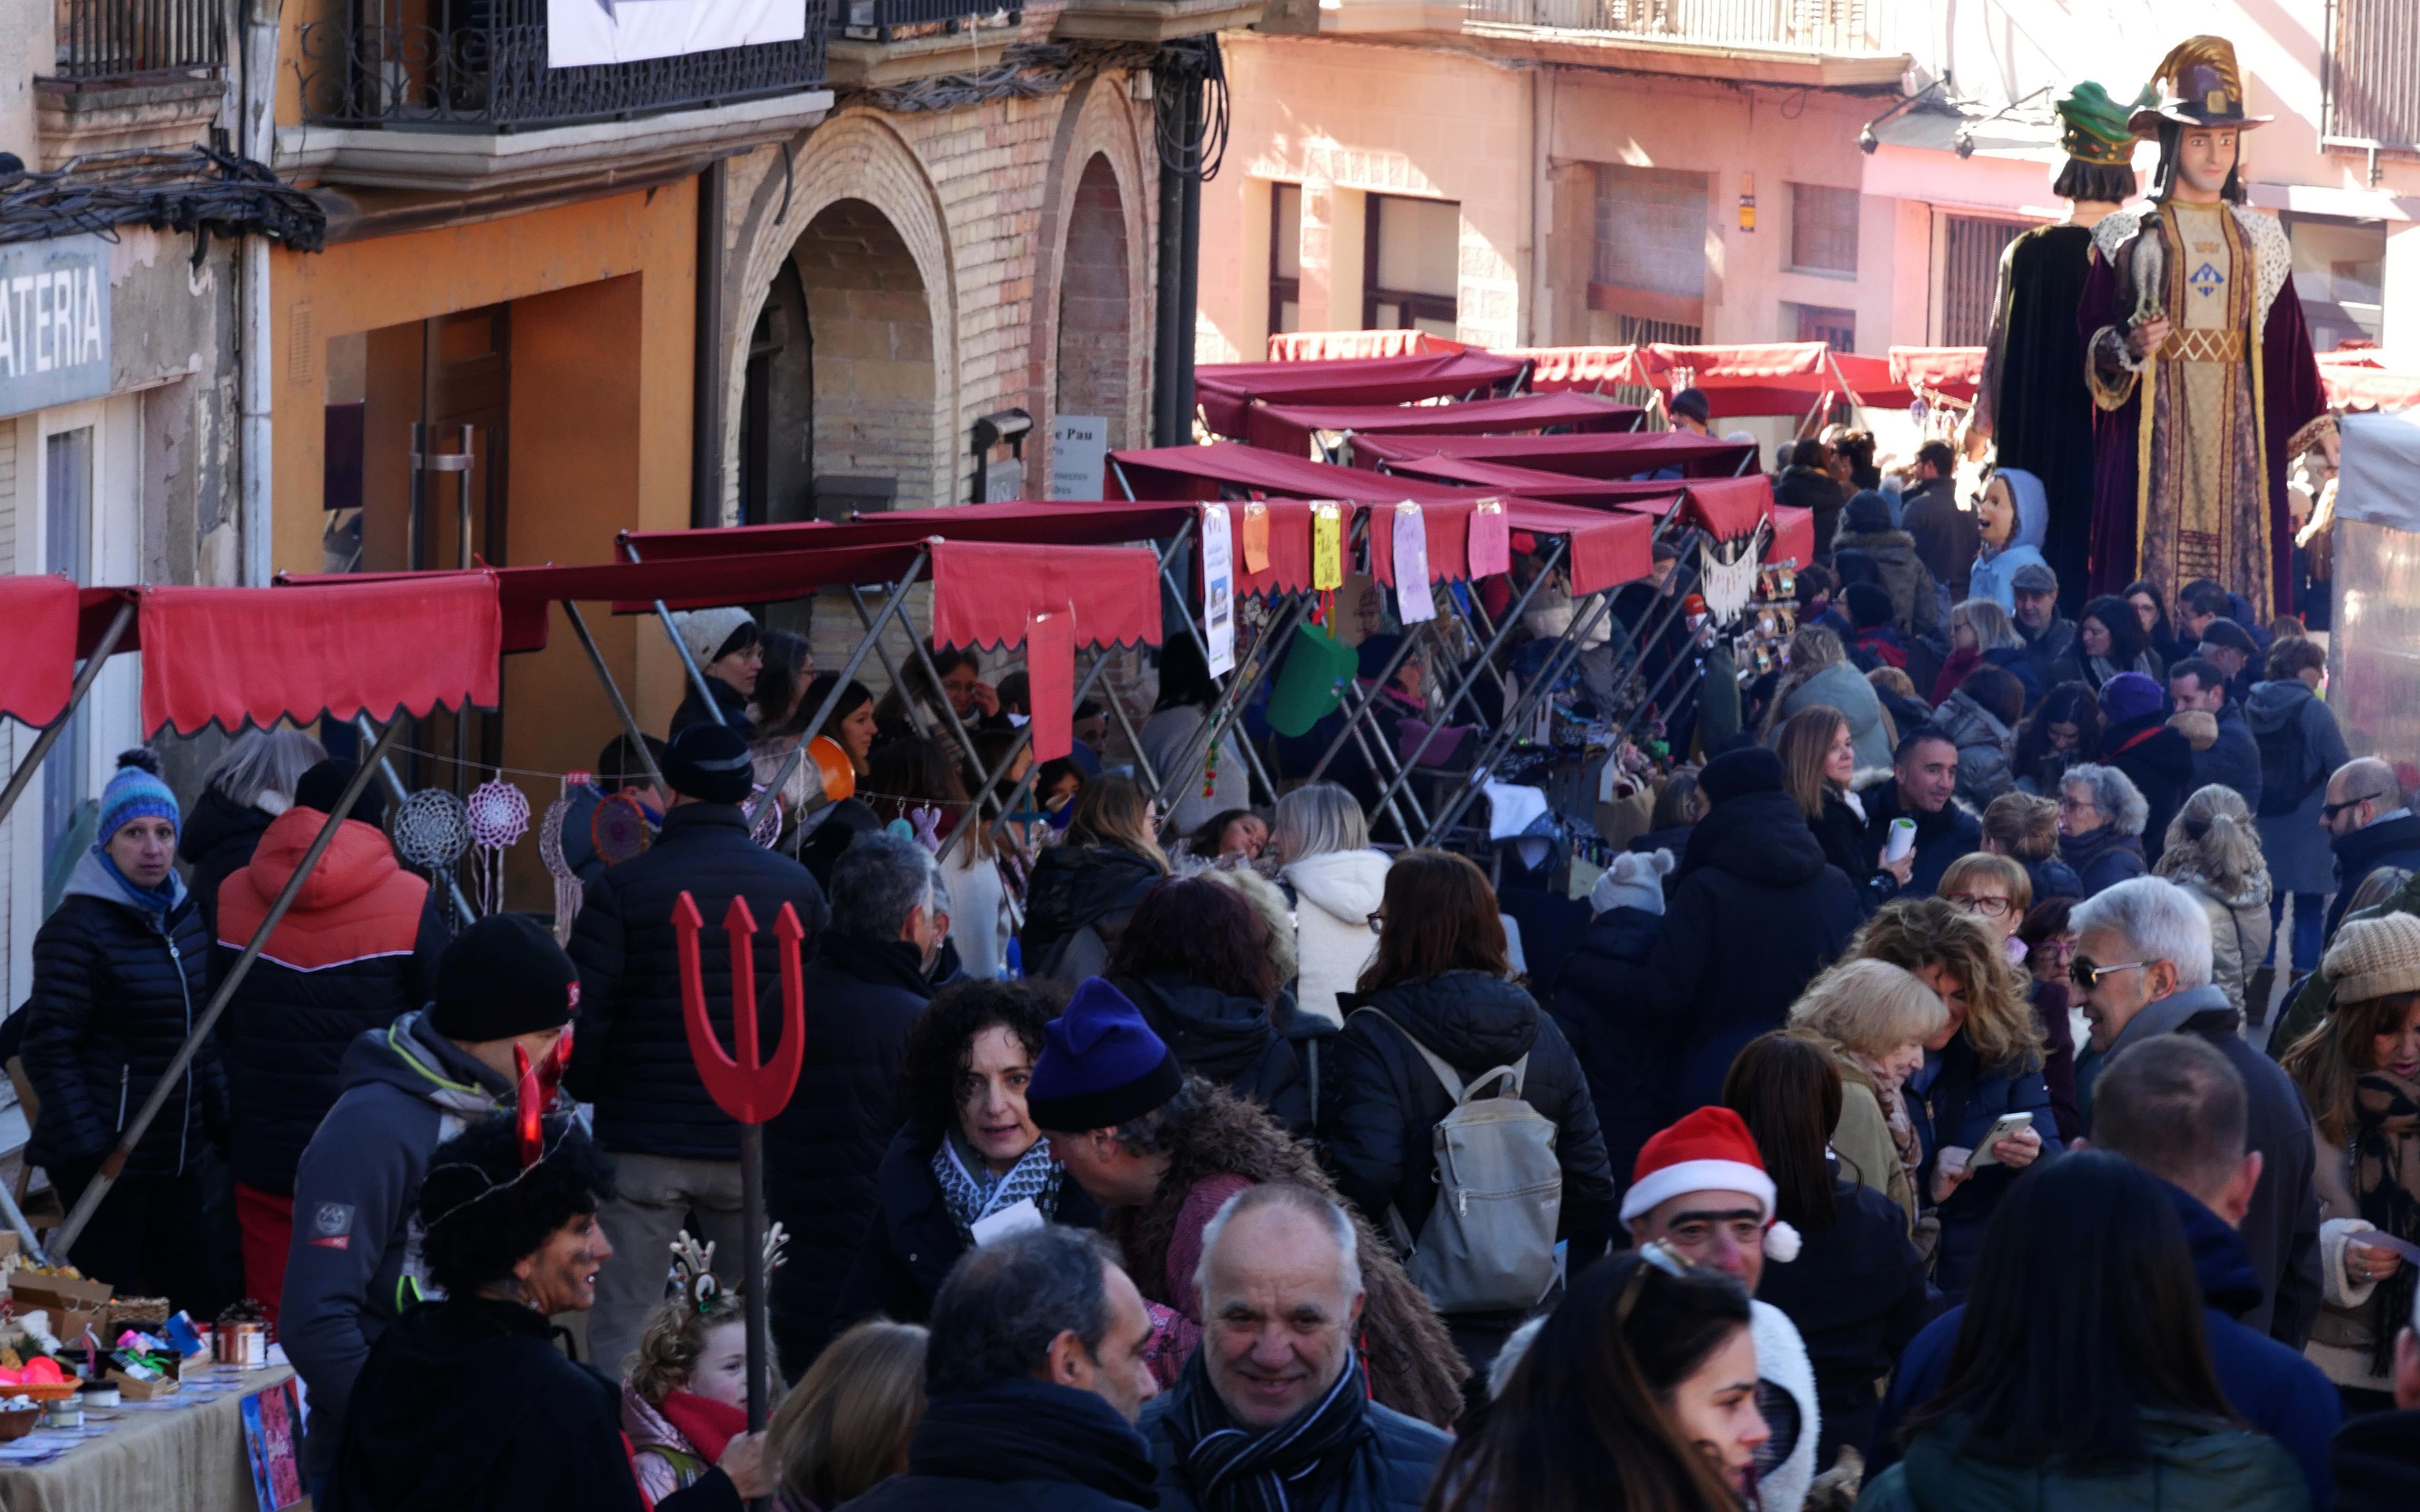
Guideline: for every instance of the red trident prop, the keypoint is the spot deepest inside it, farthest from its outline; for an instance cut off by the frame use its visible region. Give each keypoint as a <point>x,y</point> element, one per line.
<point>535,1094</point>
<point>749,1088</point>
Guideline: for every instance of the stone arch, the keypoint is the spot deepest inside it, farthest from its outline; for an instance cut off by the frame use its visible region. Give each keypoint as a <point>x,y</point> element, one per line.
<point>1098,123</point>
<point>854,179</point>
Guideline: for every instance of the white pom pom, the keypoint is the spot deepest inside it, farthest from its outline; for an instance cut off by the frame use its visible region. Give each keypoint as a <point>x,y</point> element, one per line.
<point>1780,1243</point>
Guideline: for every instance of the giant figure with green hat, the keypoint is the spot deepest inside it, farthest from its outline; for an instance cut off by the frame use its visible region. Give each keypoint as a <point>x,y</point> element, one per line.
<point>2032,411</point>
<point>2203,382</point>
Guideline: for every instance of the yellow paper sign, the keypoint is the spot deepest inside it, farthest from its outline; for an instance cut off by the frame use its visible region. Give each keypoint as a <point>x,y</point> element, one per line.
<point>1256,538</point>
<point>1327,547</point>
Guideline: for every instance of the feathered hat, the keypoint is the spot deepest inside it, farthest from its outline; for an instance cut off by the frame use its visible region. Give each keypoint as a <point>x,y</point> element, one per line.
<point>2201,87</point>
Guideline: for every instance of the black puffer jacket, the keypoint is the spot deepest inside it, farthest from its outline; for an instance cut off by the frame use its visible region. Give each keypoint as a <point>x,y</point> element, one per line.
<point>1076,888</point>
<point>1231,1041</point>
<point>1627,1063</point>
<point>1841,832</point>
<point>631,1057</point>
<point>2159,762</point>
<point>357,950</point>
<point>116,989</point>
<point>1380,1101</point>
<point>1755,911</point>
<point>823,1151</point>
<point>217,841</point>
<point>732,703</point>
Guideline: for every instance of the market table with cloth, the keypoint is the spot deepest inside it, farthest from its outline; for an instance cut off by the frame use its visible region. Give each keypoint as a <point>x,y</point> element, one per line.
<point>183,1453</point>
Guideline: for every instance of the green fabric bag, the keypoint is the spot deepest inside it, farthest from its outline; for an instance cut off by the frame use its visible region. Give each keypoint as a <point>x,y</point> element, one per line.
<point>1308,686</point>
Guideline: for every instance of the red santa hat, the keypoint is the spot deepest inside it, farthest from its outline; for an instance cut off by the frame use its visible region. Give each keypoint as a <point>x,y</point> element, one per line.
<point>1710,1151</point>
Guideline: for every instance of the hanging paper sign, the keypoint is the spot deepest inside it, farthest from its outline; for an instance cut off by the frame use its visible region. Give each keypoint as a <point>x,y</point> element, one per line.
<point>1050,678</point>
<point>1327,547</point>
<point>1256,538</point>
<point>1412,600</point>
<point>1218,589</point>
<point>1491,539</point>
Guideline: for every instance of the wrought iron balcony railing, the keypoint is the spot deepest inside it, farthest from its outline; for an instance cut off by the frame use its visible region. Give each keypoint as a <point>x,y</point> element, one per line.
<point>113,39</point>
<point>884,21</point>
<point>481,66</point>
<point>1840,26</point>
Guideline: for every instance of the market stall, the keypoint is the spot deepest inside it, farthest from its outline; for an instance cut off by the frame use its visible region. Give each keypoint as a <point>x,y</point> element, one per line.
<point>225,1440</point>
<point>1228,389</point>
<point>2368,378</point>
<point>1294,427</point>
<point>1614,454</point>
<point>2374,652</point>
<point>1329,346</point>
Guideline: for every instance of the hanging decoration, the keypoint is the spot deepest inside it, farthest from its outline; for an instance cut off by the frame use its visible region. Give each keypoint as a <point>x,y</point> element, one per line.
<point>498,815</point>
<point>926,819</point>
<point>765,828</point>
<point>432,831</point>
<point>569,890</point>
<point>1727,573</point>
<point>620,828</point>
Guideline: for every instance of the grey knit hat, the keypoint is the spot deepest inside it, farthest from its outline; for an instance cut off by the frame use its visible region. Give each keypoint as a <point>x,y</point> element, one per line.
<point>706,631</point>
<point>2374,958</point>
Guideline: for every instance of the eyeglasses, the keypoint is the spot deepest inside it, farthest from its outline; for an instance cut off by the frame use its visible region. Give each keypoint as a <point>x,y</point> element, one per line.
<point>2084,974</point>
<point>1654,1253</point>
<point>1971,902</point>
<point>2055,948</point>
<point>2328,812</point>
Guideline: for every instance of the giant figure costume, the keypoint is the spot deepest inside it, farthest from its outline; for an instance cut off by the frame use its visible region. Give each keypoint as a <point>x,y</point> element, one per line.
<point>2192,439</point>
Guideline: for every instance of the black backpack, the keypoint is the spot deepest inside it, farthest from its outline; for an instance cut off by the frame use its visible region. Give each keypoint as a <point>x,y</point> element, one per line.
<point>2285,777</point>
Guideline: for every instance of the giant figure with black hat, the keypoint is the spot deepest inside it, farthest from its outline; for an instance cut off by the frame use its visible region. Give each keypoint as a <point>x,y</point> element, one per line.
<point>2032,410</point>
<point>2198,361</point>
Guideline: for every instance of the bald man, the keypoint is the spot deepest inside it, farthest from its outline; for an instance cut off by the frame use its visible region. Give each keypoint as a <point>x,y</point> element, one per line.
<point>2371,825</point>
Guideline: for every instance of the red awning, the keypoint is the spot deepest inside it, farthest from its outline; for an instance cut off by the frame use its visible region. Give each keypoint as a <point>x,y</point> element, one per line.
<point>1288,427</point>
<point>2369,378</point>
<point>1950,371</point>
<point>1873,381</point>
<point>1794,535</point>
<point>1445,526</point>
<point>1592,369</point>
<point>1326,346</point>
<point>1607,548</point>
<point>1652,496</point>
<point>1614,455</point>
<point>40,672</point>
<point>985,593</point>
<point>1771,378</point>
<point>400,643</point>
<point>1226,389</point>
<point>1200,471</point>
<point>1084,522</point>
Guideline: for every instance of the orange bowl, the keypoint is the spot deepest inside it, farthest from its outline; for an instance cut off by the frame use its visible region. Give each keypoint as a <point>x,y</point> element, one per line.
<point>832,767</point>
<point>44,1391</point>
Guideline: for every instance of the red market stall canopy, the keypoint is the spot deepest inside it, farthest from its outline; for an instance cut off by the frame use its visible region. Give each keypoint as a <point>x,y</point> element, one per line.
<point>1652,496</point>
<point>1084,522</point>
<point>1952,372</point>
<point>985,594</point>
<point>1225,390</point>
<point>1589,369</point>
<point>1613,456</point>
<point>233,656</point>
<point>2369,378</point>
<point>1288,427</point>
<point>1872,381</point>
<point>1773,379</point>
<point>1326,346</point>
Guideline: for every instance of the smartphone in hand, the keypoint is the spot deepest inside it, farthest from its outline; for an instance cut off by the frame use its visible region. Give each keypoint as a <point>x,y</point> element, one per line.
<point>2007,1124</point>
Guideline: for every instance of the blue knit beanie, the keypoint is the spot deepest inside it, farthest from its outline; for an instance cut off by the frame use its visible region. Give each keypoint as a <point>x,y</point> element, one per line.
<point>2130,696</point>
<point>136,793</point>
<point>1101,1066</point>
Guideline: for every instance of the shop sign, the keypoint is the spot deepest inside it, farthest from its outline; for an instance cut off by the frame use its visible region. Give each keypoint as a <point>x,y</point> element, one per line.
<point>54,322</point>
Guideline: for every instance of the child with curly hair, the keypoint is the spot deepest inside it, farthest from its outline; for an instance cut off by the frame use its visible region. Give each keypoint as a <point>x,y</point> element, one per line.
<point>686,1395</point>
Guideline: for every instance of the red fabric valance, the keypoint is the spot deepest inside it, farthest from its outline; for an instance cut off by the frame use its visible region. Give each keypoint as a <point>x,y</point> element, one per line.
<point>40,671</point>
<point>396,644</point>
<point>1794,535</point>
<point>984,593</point>
<point>1618,454</point>
<point>1590,368</point>
<point>1203,471</point>
<point>1729,508</point>
<point>1226,389</point>
<point>1680,367</point>
<point>1953,371</point>
<point>1287,428</point>
<point>1086,522</point>
<point>1326,346</point>
<point>2369,378</point>
<point>1445,527</point>
<point>1607,549</point>
<point>1652,495</point>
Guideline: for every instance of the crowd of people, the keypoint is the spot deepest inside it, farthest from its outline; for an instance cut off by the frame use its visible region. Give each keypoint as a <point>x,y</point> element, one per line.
<point>1991,1077</point>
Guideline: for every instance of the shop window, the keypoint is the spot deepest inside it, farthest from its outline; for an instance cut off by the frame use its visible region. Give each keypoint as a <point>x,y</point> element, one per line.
<point>1412,281</point>
<point>1285,258</point>
<point>1822,229</point>
<point>1970,275</point>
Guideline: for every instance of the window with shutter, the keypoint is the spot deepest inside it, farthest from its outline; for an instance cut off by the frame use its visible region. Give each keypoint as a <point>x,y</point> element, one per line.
<point>2373,74</point>
<point>1970,275</point>
<point>1823,228</point>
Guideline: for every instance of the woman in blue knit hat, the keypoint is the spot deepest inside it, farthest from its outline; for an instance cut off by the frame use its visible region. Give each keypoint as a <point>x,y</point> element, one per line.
<point>119,977</point>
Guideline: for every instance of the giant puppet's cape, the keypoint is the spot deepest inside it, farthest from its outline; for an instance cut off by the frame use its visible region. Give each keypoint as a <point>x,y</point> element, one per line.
<point>2189,445</point>
<point>2033,395</point>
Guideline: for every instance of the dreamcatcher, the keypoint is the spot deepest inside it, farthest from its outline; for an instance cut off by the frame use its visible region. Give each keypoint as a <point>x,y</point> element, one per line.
<point>620,828</point>
<point>498,815</point>
<point>1727,574</point>
<point>766,827</point>
<point>432,829</point>
<point>568,891</point>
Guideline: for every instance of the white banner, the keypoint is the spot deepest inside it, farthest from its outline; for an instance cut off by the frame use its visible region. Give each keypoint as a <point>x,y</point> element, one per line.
<point>1413,602</point>
<point>1219,588</point>
<point>1079,450</point>
<point>584,32</point>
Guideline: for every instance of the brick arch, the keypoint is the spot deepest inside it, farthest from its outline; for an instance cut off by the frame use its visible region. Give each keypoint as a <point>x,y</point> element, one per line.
<point>854,155</point>
<point>1097,122</point>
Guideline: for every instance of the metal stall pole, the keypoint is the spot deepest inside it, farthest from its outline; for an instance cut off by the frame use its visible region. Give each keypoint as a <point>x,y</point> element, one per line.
<point>1251,756</point>
<point>621,709</point>
<point>395,785</point>
<point>1402,654</point>
<point>50,733</point>
<point>840,684</point>
<point>1230,699</point>
<point>1134,738</point>
<point>890,669</point>
<point>680,648</point>
<point>132,1134</point>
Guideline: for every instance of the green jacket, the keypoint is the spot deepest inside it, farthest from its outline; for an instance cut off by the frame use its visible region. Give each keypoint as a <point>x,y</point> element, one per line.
<point>2190,1469</point>
<point>2312,1005</point>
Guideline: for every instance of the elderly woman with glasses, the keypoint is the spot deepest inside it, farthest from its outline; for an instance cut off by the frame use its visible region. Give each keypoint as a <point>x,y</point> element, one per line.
<point>2101,819</point>
<point>1997,890</point>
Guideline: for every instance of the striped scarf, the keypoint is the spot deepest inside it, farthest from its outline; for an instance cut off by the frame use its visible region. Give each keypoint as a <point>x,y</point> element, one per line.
<point>1291,1466</point>
<point>972,1192</point>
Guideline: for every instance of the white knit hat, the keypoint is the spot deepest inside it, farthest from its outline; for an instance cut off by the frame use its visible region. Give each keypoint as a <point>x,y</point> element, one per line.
<point>1634,880</point>
<point>705,630</point>
<point>2374,958</point>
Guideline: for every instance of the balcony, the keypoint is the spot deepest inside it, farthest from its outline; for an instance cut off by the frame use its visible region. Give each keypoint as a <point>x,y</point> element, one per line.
<point>877,43</point>
<point>457,94</point>
<point>1816,43</point>
<point>131,74</point>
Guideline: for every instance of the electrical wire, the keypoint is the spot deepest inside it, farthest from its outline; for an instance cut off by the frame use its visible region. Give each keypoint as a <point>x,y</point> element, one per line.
<point>1184,66</point>
<point>202,190</point>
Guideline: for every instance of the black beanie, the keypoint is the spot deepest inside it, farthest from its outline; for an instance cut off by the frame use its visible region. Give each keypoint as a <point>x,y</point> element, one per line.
<point>324,786</point>
<point>711,763</point>
<point>1737,773</point>
<point>503,977</point>
<point>1869,605</point>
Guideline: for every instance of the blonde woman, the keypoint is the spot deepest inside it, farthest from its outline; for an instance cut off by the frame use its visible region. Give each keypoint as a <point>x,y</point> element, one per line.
<point>844,1427</point>
<point>1819,758</point>
<point>2213,851</point>
<point>1984,1062</point>
<point>1875,1018</point>
<point>1322,845</point>
<point>1084,890</point>
<point>1820,671</point>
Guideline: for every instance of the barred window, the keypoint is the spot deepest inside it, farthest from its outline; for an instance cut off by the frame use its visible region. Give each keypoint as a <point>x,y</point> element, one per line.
<point>1970,275</point>
<point>2373,73</point>
<point>1824,229</point>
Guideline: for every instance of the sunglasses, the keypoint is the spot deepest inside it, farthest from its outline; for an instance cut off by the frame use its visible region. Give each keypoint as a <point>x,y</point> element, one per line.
<point>1988,908</point>
<point>2087,975</point>
<point>1654,1253</point>
<point>2328,810</point>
